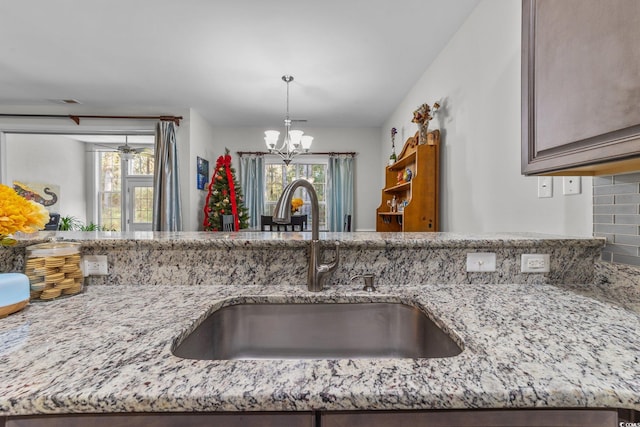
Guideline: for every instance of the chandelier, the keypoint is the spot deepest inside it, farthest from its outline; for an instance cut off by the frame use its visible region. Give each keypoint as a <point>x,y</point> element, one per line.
<point>294,141</point>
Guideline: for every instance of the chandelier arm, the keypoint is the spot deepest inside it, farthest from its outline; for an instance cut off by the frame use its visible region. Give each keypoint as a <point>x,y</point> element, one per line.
<point>284,145</point>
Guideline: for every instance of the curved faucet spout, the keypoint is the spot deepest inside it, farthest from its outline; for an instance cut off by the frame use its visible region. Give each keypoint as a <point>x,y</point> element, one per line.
<point>282,211</point>
<point>318,272</point>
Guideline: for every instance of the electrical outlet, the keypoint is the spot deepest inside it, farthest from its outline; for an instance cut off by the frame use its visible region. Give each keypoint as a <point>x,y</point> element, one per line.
<point>571,185</point>
<point>535,263</point>
<point>481,261</point>
<point>95,265</point>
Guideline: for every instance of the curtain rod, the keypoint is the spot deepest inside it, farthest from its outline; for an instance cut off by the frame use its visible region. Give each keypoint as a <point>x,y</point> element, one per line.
<point>324,153</point>
<point>76,117</point>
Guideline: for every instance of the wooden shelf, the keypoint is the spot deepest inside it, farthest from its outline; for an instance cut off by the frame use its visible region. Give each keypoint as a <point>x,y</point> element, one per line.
<point>398,188</point>
<point>402,163</point>
<point>421,210</point>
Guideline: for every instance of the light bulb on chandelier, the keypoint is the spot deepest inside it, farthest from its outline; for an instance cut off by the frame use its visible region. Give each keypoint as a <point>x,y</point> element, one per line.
<point>295,142</point>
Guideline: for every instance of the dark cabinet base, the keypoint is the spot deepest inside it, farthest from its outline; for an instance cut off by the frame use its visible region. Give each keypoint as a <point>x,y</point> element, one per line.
<point>469,418</point>
<point>240,419</point>
<point>428,418</point>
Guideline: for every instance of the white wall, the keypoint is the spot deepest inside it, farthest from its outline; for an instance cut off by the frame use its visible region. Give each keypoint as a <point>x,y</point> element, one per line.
<point>477,79</point>
<point>363,141</point>
<point>201,137</point>
<point>183,135</point>
<point>193,139</point>
<point>50,159</point>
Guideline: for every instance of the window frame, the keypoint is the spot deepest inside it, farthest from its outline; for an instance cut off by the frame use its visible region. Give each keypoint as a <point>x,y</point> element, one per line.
<point>300,160</point>
<point>125,176</point>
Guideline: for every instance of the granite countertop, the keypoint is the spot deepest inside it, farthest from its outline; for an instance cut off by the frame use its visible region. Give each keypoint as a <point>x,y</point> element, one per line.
<point>258,239</point>
<point>109,350</point>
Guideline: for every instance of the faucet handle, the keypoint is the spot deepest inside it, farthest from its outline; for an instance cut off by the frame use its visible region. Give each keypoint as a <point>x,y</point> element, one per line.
<point>328,268</point>
<point>368,281</point>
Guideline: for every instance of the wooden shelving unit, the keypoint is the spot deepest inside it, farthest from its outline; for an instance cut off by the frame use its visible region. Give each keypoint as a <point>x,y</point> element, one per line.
<point>421,192</point>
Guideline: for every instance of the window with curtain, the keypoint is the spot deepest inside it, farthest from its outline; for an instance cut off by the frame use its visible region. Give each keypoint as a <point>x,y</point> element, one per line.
<point>112,206</point>
<point>278,175</point>
<point>340,188</point>
<point>252,183</point>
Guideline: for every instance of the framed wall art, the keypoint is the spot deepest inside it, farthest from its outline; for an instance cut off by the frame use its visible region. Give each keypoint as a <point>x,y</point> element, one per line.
<point>202,176</point>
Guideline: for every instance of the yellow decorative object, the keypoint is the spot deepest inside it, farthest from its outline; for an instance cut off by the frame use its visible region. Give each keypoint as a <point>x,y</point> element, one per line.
<point>296,203</point>
<point>19,214</point>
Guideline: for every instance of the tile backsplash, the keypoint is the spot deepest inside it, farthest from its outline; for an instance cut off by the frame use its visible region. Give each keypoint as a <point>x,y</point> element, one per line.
<point>616,216</point>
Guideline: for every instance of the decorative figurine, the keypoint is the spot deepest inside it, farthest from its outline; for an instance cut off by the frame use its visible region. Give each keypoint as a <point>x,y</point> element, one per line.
<point>408,175</point>
<point>421,117</point>
<point>392,157</point>
<point>400,177</point>
<point>393,204</point>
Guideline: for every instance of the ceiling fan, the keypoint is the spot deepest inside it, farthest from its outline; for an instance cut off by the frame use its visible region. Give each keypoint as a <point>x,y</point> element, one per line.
<point>127,151</point>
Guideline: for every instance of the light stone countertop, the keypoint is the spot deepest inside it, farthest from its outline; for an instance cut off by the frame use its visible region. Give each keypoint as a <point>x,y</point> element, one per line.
<point>258,239</point>
<point>525,346</point>
<point>255,258</point>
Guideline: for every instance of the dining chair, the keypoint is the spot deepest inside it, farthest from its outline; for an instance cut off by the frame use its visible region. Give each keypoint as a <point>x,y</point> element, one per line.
<point>228,223</point>
<point>54,222</point>
<point>347,223</point>
<point>267,224</point>
<point>299,222</point>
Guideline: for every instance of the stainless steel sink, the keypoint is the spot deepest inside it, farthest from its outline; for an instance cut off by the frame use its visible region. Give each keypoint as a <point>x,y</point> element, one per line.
<point>316,331</point>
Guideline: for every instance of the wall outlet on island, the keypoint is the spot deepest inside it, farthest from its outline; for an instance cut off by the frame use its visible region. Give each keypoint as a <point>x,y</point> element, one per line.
<point>534,263</point>
<point>95,265</point>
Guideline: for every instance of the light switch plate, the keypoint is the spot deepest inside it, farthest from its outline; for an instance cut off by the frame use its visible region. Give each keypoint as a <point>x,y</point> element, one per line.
<point>481,262</point>
<point>545,187</point>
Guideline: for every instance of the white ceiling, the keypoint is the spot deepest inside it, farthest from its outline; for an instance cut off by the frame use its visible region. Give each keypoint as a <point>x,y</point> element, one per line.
<point>353,60</point>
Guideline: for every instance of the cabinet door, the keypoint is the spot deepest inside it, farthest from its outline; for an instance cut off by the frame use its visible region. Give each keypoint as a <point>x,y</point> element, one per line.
<point>298,419</point>
<point>580,83</point>
<point>469,418</point>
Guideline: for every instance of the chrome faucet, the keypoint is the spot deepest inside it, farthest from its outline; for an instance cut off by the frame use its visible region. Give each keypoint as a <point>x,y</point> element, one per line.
<point>318,272</point>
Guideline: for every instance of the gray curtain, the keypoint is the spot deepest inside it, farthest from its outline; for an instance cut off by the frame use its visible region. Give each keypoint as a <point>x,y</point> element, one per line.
<point>166,186</point>
<point>340,185</point>
<point>252,182</point>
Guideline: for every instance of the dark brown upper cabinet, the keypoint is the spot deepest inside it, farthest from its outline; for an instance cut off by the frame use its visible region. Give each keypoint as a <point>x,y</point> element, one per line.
<point>580,87</point>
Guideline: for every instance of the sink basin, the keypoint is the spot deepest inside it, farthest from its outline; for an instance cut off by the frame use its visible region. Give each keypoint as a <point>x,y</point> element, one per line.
<point>317,331</point>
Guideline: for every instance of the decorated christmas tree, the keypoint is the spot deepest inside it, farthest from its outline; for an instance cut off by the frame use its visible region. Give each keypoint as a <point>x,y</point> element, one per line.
<point>225,197</point>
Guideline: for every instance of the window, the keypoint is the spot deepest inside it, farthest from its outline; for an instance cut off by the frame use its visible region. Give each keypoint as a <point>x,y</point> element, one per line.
<point>135,210</point>
<point>278,175</point>
<point>109,193</point>
<point>141,164</point>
